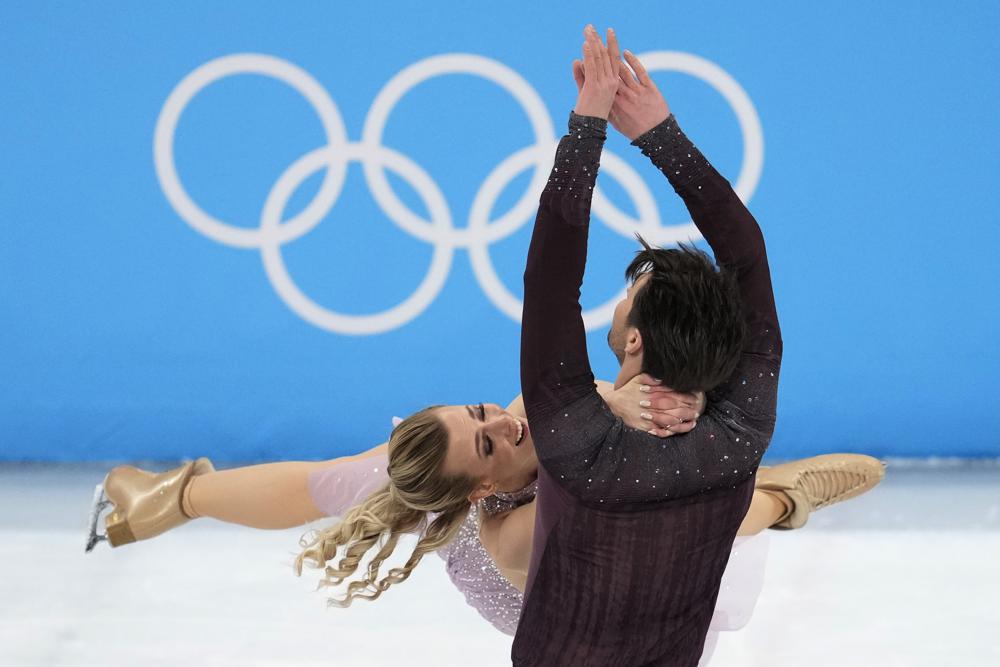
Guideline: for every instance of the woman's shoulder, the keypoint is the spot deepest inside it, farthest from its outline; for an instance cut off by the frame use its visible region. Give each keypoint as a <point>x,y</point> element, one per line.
<point>507,536</point>
<point>489,532</point>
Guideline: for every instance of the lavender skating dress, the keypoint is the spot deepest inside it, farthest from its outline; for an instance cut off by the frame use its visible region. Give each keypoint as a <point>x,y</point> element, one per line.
<point>336,489</point>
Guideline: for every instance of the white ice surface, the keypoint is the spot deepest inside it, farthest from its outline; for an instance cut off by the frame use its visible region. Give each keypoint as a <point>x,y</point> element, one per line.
<point>908,575</point>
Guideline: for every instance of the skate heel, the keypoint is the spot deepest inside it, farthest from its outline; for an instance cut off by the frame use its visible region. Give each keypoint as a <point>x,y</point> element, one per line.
<point>117,530</point>
<point>146,504</point>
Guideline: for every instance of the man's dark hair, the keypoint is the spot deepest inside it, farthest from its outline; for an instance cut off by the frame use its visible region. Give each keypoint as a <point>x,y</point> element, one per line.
<point>690,316</point>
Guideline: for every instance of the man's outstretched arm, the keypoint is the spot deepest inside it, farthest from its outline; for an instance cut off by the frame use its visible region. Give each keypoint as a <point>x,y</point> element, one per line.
<point>641,113</point>
<point>720,452</point>
<point>555,368</point>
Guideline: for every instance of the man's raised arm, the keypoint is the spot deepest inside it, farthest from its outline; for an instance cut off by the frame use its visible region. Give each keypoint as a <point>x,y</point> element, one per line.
<point>641,114</point>
<point>555,368</point>
<point>731,438</point>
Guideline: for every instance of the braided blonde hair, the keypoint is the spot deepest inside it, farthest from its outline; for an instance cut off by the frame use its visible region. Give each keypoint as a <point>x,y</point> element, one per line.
<point>417,485</point>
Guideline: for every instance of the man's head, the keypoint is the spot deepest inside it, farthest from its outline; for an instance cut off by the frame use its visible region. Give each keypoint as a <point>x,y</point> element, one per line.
<point>682,318</point>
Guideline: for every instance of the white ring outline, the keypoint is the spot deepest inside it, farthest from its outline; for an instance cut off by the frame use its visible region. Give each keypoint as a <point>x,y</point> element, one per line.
<point>648,223</point>
<point>209,73</point>
<point>750,129</point>
<point>424,70</point>
<point>479,255</point>
<point>440,231</point>
<point>308,309</point>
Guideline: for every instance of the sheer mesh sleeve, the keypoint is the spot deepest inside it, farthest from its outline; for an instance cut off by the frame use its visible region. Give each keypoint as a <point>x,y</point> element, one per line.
<point>340,487</point>
<point>595,456</point>
<point>555,368</point>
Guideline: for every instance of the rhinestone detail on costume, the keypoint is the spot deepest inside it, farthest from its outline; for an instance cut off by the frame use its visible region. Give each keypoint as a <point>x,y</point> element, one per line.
<point>474,573</point>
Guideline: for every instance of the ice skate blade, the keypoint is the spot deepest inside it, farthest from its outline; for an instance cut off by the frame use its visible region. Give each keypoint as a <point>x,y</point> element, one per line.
<point>98,504</point>
<point>92,542</point>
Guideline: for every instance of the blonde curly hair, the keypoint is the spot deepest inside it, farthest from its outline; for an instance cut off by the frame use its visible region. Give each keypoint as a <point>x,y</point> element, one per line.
<point>417,485</point>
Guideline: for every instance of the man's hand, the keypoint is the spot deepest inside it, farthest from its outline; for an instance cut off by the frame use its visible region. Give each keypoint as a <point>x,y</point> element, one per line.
<point>639,106</point>
<point>644,403</point>
<point>601,68</point>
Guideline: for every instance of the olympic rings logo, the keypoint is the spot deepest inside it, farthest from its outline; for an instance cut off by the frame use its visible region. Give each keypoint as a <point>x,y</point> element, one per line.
<point>481,231</point>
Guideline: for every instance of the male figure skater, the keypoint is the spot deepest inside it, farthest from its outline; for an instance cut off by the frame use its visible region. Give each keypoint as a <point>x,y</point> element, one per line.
<point>632,533</point>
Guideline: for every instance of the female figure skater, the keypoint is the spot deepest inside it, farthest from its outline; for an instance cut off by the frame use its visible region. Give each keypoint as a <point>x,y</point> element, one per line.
<point>441,461</point>
<point>478,466</point>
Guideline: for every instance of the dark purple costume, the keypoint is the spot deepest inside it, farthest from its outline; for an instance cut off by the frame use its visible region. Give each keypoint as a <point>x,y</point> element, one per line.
<point>632,532</point>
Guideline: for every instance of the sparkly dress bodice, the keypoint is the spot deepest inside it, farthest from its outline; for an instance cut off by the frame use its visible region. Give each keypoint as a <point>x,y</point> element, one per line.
<point>336,489</point>
<point>474,573</point>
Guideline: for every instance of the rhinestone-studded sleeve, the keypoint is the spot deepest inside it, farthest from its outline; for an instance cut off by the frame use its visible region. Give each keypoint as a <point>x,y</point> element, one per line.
<point>612,466</point>
<point>574,172</point>
<point>555,369</point>
<point>725,223</point>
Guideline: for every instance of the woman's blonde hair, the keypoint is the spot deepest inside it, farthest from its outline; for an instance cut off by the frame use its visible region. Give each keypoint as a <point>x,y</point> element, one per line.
<point>417,485</point>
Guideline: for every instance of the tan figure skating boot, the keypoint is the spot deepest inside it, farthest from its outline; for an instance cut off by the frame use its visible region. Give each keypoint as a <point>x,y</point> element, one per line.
<point>807,485</point>
<point>146,504</point>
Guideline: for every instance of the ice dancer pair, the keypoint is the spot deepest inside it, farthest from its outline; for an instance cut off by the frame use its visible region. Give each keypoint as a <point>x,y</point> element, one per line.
<point>289,494</point>
<point>653,521</point>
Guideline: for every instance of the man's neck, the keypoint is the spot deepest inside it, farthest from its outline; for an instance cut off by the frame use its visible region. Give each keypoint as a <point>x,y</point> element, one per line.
<point>631,367</point>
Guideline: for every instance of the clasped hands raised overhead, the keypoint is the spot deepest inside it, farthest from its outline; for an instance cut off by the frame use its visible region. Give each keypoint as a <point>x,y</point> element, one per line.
<point>608,89</point>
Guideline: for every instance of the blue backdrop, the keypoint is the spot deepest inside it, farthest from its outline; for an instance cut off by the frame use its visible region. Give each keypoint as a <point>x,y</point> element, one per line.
<point>185,271</point>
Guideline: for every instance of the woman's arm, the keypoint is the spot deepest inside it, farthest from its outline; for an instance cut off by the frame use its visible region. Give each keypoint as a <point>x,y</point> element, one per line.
<point>288,493</point>
<point>668,412</point>
<point>337,485</point>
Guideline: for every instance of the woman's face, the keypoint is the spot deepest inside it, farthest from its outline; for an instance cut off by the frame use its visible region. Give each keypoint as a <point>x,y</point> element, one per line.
<point>489,444</point>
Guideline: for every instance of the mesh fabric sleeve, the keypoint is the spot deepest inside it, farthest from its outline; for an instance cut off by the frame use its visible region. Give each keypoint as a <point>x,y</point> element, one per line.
<point>338,488</point>
<point>555,368</point>
<point>598,458</point>
<point>726,224</point>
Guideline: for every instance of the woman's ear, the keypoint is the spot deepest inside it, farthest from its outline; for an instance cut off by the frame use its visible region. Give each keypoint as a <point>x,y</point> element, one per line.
<point>483,490</point>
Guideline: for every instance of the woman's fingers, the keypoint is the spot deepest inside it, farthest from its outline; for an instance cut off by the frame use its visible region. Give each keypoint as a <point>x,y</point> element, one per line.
<point>665,402</point>
<point>652,388</point>
<point>687,399</point>
<point>676,416</point>
<point>637,67</point>
<point>649,385</point>
<point>654,401</point>
<point>646,379</point>
<point>671,417</point>
<point>668,431</point>
<point>680,428</point>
